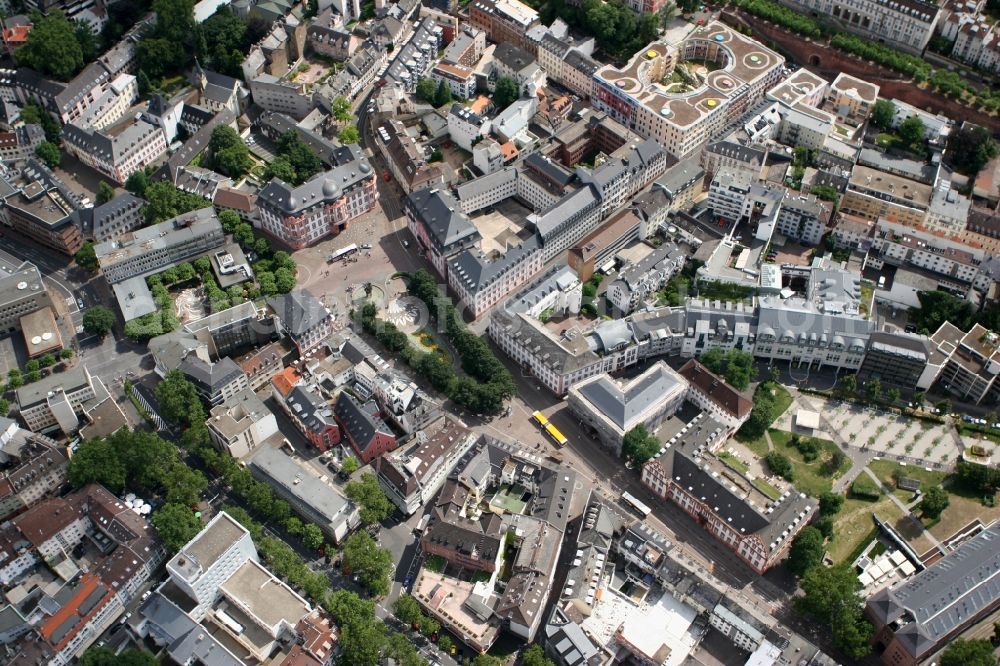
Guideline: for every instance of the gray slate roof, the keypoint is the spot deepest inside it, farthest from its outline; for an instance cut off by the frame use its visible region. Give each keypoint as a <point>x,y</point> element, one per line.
<point>442,217</point>
<point>622,407</point>
<point>299,311</point>
<point>945,596</point>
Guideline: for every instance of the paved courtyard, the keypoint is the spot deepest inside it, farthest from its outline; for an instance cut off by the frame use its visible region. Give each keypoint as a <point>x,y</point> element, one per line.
<point>873,430</point>
<point>341,283</point>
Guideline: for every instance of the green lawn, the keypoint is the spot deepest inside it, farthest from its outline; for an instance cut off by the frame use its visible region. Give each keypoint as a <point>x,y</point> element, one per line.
<point>810,477</point>
<point>854,526</point>
<point>758,446</point>
<point>884,470</point>
<point>783,398</point>
<point>733,462</point>
<point>766,488</point>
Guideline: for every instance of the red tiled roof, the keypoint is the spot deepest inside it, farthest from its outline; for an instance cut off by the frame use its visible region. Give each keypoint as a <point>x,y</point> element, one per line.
<point>715,387</point>
<point>285,381</point>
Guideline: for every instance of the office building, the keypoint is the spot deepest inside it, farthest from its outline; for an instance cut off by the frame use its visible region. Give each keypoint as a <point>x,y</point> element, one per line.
<point>22,292</point>
<point>613,408</point>
<point>316,500</point>
<point>918,617</point>
<point>217,581</point>
<point>440,228</point>
<point>323,206</point>
<point>117,151</point>
<point>56,401</point>
<point>904,360</point>
<point>42,208</point>
<point>215,382</point>
<point>241,424</point>
<point>756,528</point>
<point>144,251</point>
<point>682,123</point>
<point>303,318</point>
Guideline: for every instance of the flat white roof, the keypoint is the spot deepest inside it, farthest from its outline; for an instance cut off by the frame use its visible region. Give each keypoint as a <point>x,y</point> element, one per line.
<point>806,418</point>
<point>661,631</point>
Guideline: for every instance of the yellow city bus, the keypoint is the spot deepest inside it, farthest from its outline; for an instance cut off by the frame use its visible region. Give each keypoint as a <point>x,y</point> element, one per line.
<point>540,419</point>
<point>556,436</point>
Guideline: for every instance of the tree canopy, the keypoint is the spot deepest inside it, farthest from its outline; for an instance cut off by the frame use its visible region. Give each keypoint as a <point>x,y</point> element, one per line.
<point>176,524</point>
<point>372,564</point>
<point>935,501</point>
<point>105,193</point>
<point>765,411</point>
<point>735,366</point>
<point>295,163</point>
<point>535,656</point>
<point>970,148</point>
<point>98,319</point>
<point>98,655</point>
<point>86,258</point>
<point>171,43</point>
<point>165,201</point>
<point>506,93</point>
<point>779,464</point>
<point>911,131</point>
<point>375,506</point>
<point>832,598</point>
<point>883,113</point>
<point>964,652</point>
<point>639,446</point>
<point>53,47</point>
<point>49,153</point>
<point>179,400</point>
<point>226,40</point>
<point>349,135</point>
<point>230,154</point>
<point>937,307</point>
<point>806,551</point>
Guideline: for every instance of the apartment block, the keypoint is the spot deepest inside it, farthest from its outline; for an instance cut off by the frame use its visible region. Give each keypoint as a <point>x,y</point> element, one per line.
<point>411,476</point>
<point>504,21</point>
<point>37,468</point>
<point>907,25</point>
<point>461,80</point>
<point>405,159</point>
